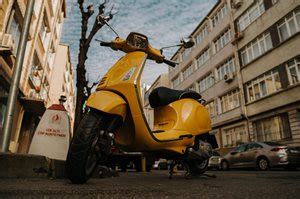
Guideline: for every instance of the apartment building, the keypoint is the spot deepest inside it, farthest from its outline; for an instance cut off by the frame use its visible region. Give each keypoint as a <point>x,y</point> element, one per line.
<point>245,65</point>
<point>42,44</point>
<point>211,68</point>
<point>62,83</point>
<point>161,81</point>
<point>269,55</point>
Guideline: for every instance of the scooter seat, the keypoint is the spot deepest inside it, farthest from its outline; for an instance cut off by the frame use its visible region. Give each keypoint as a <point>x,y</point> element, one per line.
<point>162,96</point>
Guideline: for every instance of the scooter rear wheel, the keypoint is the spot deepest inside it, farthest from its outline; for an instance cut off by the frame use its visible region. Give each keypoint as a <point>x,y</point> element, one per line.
<point>198,167</point>
<point>83,155</point>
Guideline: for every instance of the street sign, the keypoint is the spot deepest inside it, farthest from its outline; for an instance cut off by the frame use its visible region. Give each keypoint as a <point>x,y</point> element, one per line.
<point>52,136</point>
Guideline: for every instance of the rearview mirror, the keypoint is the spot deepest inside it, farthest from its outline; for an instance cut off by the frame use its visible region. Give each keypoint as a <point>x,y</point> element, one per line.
<point>187,42</point>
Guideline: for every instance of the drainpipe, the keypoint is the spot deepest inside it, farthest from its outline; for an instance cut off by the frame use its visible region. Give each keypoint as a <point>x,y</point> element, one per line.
<point>14,88</point>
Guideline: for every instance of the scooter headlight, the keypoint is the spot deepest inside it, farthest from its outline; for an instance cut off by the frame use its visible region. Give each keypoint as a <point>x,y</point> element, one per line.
<point>137,40</point>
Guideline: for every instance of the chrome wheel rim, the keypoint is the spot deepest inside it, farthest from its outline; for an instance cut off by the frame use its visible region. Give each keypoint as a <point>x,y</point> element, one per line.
<point>263,164</point>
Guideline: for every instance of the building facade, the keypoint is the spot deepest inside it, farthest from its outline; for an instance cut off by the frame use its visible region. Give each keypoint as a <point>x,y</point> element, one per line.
<point>234,57</point>
<point>62,83</point>
<point>38,68</point>
<point>269,56</point>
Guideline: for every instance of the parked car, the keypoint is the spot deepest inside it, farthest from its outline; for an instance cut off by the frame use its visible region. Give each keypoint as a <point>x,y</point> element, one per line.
<point>262,155</point>
<point>214,160</point>
<point>161,164</point>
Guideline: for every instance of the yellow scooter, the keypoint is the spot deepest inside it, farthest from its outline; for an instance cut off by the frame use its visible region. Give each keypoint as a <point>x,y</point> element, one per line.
<point>116,117</point>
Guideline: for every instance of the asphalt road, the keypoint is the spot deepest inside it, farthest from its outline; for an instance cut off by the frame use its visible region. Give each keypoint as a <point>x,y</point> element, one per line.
<point>228,184</point>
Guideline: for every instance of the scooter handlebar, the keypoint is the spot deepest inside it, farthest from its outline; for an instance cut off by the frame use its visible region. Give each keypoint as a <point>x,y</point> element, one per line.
<point>170,62</point>
<point>104,43</point>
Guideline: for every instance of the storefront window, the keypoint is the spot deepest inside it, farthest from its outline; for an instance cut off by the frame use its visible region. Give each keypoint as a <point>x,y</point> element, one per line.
<point>234,136</point>
<point>273,128</point>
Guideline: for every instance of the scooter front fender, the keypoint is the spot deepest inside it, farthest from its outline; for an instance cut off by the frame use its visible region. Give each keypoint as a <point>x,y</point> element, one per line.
<point>108,102</point>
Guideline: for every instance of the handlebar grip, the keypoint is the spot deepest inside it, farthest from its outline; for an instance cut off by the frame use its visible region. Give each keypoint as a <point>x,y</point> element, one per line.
<point>103,43</point>
<point>170,63</point>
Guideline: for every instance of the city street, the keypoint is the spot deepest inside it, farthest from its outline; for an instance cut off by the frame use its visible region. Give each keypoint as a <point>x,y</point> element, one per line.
<point>231,184</point>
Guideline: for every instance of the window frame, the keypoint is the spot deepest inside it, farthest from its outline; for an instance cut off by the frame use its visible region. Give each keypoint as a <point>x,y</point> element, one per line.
<point>232,97</point>
<point>296,66</point>
<point>202,58</point>
<point>257,81</point>
<point>206,82</point>
<point>262,42</point>
<point>285,22</point>
<point>219,42</point>
<point>246,15</point>
<point>226,68</point>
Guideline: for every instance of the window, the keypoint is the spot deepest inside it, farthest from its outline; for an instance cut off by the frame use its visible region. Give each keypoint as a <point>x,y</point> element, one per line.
<point>240,149</point>
<point>235,136</point>
<point>294,71</point>
<point>225,68</point>
<point>222,40</point>
<point>206,82</point>
<point>250,15</point>
<point>188,71</point>
<point>273,128</point>
<point>253,146</point>
<point>36,72</point>
<point>202,58</point>
<point>263,86</point>
<point>289,26</point>
<point>14,28</point>
<point>43,32</point>
<point>256,48</point>
<point>176,81</point>
<point>230,101</point>
<point>211,108</point>
<point>186,53</point>
<point>202,34</point>
<point>216,19</point>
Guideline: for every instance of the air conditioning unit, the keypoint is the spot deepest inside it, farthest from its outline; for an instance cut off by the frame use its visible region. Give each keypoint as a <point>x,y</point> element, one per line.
<point>236,3</point>
<point>228,77</point>
<point>6,41</point>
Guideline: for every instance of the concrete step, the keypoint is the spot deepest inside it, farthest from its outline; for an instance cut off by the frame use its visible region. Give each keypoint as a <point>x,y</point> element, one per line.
<point>14,165</point>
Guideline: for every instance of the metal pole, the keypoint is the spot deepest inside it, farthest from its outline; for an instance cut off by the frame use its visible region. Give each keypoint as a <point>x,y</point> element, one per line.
<point>14,87</point>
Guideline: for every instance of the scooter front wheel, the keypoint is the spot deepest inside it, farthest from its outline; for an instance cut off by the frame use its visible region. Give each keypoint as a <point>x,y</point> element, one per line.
<point>83,154</point>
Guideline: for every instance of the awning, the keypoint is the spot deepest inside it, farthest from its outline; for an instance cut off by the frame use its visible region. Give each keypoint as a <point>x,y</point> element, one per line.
<point>35,106</point>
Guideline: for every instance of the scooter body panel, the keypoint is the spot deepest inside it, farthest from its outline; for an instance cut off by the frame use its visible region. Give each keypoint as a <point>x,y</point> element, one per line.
<point>108,102</point>
<point>182,118</point>
<point>123,79</point>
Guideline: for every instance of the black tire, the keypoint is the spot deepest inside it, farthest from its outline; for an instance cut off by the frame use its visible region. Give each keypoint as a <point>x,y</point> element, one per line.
<point>79,165</point>
<point>225,165</point>
<point>198,167</point>
<point>262,164</point>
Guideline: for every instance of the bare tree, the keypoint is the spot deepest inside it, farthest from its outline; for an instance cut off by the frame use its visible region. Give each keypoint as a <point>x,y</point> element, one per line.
<point>83,88</point>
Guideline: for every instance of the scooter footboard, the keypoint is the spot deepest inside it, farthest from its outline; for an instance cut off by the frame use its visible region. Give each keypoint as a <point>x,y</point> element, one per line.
<point>108,102</point>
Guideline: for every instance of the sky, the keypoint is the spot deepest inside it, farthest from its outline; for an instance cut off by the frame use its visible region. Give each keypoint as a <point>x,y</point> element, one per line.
<point>164,22</point>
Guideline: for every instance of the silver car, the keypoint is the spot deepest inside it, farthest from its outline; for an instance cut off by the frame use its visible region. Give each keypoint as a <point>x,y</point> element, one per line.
<point>262,155</point>
<point>214,160</point>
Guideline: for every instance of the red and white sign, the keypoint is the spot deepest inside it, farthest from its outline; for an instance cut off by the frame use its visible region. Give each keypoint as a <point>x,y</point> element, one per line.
<point>52,136</point>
